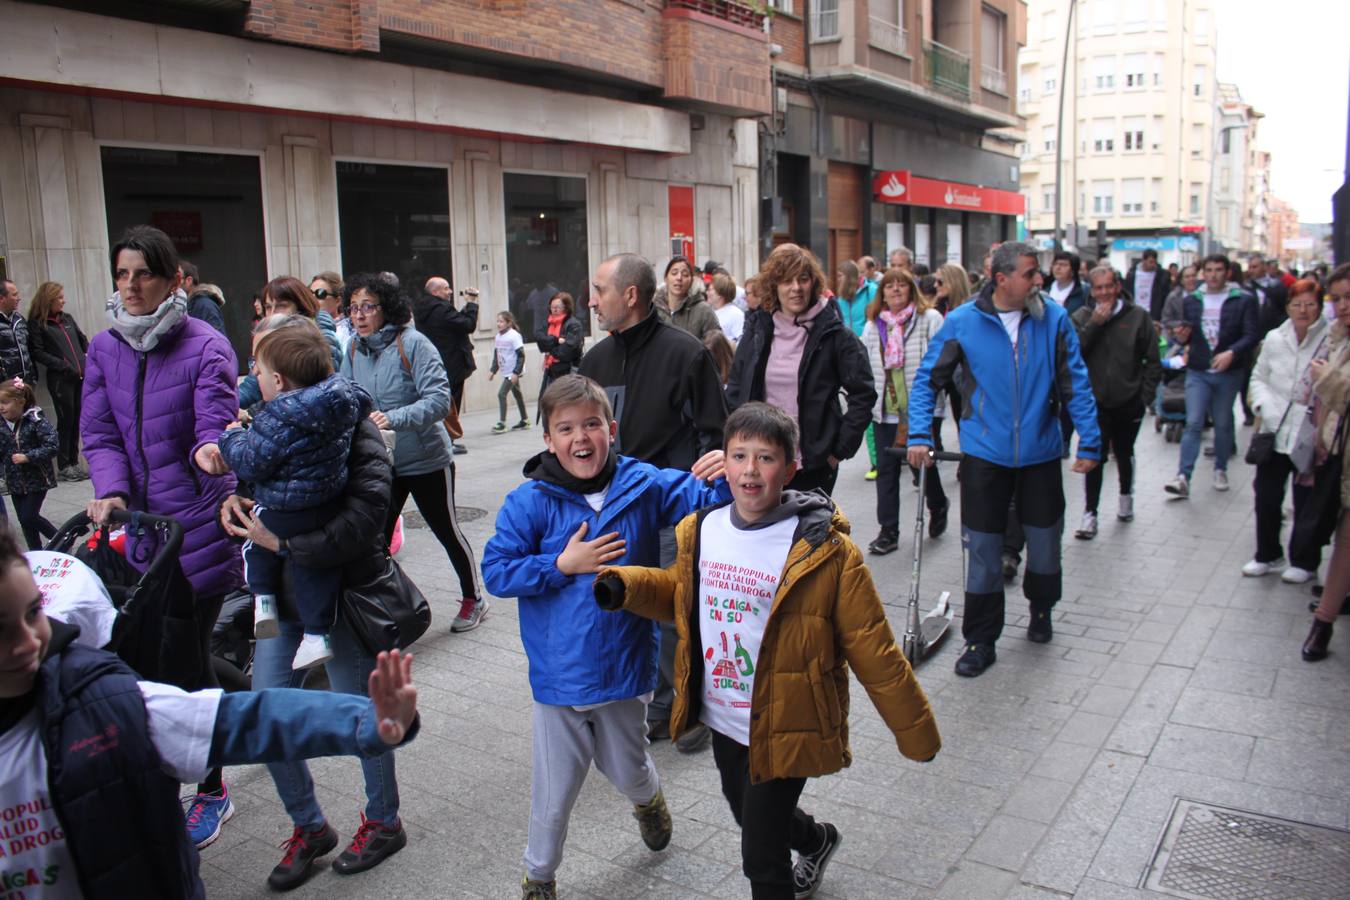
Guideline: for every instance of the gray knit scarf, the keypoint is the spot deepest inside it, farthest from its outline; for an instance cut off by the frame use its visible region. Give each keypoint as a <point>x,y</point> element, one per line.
<point>143,333</point>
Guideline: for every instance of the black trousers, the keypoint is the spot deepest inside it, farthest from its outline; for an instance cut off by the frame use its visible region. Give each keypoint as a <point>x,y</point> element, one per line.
<point>772,825</point>
<point>28,507</point>
<point>822,476</point>
<point>987,490</point>
<point>889,468</point>
<point>66,399</point>
<point>1120,427</point>
<point>1306,538</point>
<point>434,494</point>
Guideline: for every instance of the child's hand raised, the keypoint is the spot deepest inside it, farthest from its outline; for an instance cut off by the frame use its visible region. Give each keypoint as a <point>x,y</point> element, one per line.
<point>392,692</point>
<point>710,466</point>
<point>581,557</point>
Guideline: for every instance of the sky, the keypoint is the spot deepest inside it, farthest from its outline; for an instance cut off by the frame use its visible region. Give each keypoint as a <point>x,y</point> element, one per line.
<point>1291,60</point>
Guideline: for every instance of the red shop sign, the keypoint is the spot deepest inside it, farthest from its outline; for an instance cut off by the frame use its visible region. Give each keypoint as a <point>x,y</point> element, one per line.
<point>901,186</point>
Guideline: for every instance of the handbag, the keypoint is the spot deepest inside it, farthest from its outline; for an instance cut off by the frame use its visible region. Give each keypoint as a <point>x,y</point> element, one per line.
<point>386,612</point>
<point>1262,448</point>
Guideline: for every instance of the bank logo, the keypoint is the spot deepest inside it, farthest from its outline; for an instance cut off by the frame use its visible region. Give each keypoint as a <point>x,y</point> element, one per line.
<point>892,188</point>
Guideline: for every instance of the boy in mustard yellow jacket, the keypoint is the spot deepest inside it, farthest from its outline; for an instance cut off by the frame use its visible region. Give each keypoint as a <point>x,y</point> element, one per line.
<point>771,603</point>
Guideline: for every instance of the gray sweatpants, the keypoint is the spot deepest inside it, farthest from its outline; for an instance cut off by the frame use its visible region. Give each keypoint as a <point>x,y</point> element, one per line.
<point>566,741</point>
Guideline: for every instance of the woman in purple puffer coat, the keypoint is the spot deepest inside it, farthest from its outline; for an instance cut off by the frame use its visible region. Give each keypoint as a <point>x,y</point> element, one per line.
<point>159,389</point>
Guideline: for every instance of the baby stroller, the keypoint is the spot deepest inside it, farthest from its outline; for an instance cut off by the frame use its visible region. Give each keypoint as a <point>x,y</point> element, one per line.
<point>156,632</point>
<point>1170,404</point>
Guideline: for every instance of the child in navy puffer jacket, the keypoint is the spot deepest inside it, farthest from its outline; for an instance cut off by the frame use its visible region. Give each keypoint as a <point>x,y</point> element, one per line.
<point>27,447</point>
<point>295,456</point>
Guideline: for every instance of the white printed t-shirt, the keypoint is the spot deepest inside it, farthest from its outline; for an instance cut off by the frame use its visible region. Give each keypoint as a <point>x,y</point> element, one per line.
<point>33,841</point>
<point>73,594</point>
<point>507,345</point>
<point>1210,319</point>
<point>738,574</point>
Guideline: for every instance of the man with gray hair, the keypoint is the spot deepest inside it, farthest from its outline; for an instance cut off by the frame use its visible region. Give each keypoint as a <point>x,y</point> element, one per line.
<point>668,400</point>
<point>902,258</point>
<point>1011,438</point>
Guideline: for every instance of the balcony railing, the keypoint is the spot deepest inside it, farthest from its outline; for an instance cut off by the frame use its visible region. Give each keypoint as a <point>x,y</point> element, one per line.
<point>888,36</point>
<point>992,79</point>
<point>947,70</point>
<point>825,24</point>
<point>726,10</point>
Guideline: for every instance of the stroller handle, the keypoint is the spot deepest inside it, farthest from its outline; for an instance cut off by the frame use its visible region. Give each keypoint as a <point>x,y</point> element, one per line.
<point>80,524</point>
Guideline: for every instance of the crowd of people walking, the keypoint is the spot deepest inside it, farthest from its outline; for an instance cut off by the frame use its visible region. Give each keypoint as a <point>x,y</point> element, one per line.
<point>697,442</point>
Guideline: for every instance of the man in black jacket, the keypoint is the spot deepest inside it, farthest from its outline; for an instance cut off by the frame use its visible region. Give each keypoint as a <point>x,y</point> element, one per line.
<point>1149,285</point>
<point>451,330</point>
<point>14,359</point>
<point>668,400</point>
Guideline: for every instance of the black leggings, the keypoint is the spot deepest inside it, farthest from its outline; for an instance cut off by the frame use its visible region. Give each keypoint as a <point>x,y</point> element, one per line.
<point>1119,426</point>
<point>28,507</point>
<point>66,399</point>
<point>434,495</point>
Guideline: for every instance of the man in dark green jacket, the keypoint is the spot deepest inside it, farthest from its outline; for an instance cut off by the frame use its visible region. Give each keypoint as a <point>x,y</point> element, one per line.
<point>1120,348</point>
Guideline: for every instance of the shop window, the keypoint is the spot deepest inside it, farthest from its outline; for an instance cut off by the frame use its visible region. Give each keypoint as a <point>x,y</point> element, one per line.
<point>546,247</point>
<point>395,219</point>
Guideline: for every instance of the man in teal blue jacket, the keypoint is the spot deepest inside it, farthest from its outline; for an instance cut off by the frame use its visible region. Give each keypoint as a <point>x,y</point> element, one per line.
<point>1016,362</point>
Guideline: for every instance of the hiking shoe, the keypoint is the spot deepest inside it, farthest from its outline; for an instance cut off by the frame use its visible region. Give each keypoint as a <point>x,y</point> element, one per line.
<point>1010,564</point>
<point>1039,629</point>
<point>1295,575</point>
<point>937,522</point>
<point>1180,488</point>
<point>265,623</point>
<point>471,615</point>
<point>1088,529</point>
<point>692,740</point>
<point>206,815</point>
<point>810,867</point>
<point>314,650</point>
<point>521,425</point>
<point>373,843</point>
<point>538,890</point>
<point>654,822</point>
<point>975,660</point>
<point>1220,480</point>
<point>1126,511</point>
<point>1256,568</point>
<point>499,428</point>
<point>871,474</point>
<point>302,848</point>
<point>886,542</point>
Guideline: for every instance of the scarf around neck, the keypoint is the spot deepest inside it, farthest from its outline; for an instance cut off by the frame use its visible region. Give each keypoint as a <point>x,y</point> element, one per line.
<point>555,326</point>
<point>893,336</point>
<point>144,333</point>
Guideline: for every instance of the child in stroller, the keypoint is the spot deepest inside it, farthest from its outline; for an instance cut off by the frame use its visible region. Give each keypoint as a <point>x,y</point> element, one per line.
<point>1170,403</point>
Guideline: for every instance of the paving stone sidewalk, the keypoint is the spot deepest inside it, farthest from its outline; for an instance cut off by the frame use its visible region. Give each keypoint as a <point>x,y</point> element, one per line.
<point>1170,676</point>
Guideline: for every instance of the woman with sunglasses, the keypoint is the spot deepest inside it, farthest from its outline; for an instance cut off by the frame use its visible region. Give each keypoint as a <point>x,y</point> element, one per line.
<point>327,289</point>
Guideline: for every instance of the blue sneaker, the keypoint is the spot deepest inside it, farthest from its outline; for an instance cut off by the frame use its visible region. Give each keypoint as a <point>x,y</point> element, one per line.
<point>206,815</point>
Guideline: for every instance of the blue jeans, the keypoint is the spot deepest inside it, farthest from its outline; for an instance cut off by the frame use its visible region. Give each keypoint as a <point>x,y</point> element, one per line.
<point>1212,394</point>
<point>348,672</point>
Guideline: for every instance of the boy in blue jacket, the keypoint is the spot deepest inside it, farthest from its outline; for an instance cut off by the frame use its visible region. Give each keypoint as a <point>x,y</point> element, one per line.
<point>295,456</point>
<point>91,757</point>
<point>592,673</point>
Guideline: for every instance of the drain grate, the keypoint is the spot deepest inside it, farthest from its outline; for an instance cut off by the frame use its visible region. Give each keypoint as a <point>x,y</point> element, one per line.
<point>1210,852</point>
<point>413,519</point>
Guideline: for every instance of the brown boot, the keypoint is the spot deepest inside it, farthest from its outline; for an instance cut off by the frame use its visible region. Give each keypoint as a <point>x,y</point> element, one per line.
<point>1315,647</point>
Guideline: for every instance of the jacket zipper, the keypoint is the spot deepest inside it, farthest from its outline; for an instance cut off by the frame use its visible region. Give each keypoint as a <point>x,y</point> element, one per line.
<point>140,429</point>
<point>74,354</point>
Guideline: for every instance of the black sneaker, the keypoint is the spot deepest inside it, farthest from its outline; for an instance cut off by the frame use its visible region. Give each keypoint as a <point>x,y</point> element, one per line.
<point>373,843</point>
<point>693,739</point>
<point>654,822</point>
<point>1010,564</point>
<point>937,523</point>
<point>302,849</point>
<point>810,867</point>
<point>886,542</point>
<point>975,660</point>
<point>1039,629</point>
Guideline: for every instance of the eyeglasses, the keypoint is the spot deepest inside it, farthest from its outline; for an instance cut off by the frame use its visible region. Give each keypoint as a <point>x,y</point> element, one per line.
<point>323,293</point>
<point>364,309</point>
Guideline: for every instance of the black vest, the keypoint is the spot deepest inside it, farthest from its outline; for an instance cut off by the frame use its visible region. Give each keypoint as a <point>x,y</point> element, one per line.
<point>117,806</point>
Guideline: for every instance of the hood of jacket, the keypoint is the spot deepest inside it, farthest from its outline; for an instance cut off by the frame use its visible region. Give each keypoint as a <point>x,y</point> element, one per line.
<point>209,290</point>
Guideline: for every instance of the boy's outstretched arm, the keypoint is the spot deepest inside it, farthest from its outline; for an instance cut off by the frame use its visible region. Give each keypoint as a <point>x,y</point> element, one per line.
<point>870,648</point>
<point>683,493</point>
<point>649,592</point>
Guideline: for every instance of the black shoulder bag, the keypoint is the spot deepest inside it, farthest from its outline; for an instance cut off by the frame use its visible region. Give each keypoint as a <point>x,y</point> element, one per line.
<point>387,611</point>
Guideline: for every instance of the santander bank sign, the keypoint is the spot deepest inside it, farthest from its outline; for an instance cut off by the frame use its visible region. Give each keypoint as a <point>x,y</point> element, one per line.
<point>901,186</point>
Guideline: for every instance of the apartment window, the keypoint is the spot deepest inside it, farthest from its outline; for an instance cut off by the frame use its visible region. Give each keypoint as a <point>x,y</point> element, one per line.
<point>1159,64</point>
<point>1103,135</point>
<point>1104,73</point>
<point>1104,16</point>
<point>1195,199</point>
<point>1159,14</point>
<point>1132,197</point>
<point>1225,179</point>
<point>825,20</point>
<point>1082,199</point>
<point>1049,26</point>
<point>1200,80</point>
<point>1103,198</point>
<point>1202,26</point>
<point>1223,220</point>
<point>1155,190</point>
<point>887,26</point>
<point>1135,17</point>
<point>1049,79</point>
<point>1197,140</point>
<point>1048,138</point>
<point>1226,141</point>
<point>1048,198</point>
<point>783,6</point>
<point>1135,65</point>
<point>1134,133</point>
<point>993,71</point>
<point>1157,132</point>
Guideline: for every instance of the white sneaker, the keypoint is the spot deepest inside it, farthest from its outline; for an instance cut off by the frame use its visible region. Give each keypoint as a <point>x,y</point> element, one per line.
<point>1295,575</point>
<point>1126,512</point>
<point>1220,480</point>
<point>265,624</point>
<point>1256,568</point>
<point>1181,487</point>
<point>314,650</point>
<point>1088,530</point>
